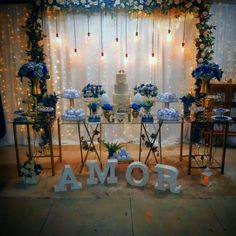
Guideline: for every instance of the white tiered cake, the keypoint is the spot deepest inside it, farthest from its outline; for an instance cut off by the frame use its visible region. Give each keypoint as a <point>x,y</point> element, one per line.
<point>121,97</point>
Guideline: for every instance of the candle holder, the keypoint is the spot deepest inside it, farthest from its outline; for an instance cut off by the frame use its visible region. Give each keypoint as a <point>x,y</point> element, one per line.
<point>206,177</point>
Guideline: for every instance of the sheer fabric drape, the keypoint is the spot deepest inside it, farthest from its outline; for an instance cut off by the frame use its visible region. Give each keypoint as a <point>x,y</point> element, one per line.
<point>172,71</point>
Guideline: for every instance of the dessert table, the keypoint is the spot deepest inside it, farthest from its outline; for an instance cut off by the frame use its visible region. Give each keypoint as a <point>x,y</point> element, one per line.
<point>94,131</point>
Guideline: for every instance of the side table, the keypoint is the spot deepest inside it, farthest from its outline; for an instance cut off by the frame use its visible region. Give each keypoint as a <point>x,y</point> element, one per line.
<point>51,154</point>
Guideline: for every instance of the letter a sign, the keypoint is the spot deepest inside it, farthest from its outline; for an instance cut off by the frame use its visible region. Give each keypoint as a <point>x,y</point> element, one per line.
<point>67,178</point>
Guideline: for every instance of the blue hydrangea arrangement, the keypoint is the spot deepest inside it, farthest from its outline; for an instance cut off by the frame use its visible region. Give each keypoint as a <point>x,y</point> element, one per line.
<point>107,107</point>
<point>136,106</point>
<point>35,70</point>
<point>146,90</point>
<point>208,71</point>
<point>92,91</point>
<point>187,100</point>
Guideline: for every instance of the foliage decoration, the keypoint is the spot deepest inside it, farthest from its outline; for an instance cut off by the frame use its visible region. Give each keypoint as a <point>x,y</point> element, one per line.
<point>92,91</point>
<point>146,90</point>
<point>36,69</point>
<point>30,168</point>
<point>112,147</point>
<point>187,101</point>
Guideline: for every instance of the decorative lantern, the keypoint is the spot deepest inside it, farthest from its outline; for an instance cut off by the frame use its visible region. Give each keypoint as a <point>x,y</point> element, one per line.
<point>205,176</point>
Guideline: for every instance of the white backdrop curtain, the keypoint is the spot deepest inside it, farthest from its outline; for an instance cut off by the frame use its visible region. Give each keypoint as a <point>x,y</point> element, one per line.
<point>172,71</point>
<point>223,16</point>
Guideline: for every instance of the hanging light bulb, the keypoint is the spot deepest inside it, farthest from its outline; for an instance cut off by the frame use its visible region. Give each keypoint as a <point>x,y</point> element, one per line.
<point>117,39</point>
<point>152,59</point>
<point>89,36</point>
<point>136,33</point>
<point>101,28</point>
<point>169,31</point>
<point>58,39</point>
<point>75,53</point>
<point>57,35</point>
<point>102,56</point>
<point>126,40</point>
<point>75,48</point>
<point>169,35</point>
<point>183,42</point>
<point>182,48</point>
<point>126,60</point>
<point>117,42</point>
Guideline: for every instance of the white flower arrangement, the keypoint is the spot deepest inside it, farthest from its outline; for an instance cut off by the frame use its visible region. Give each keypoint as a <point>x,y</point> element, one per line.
<point>30,169</point>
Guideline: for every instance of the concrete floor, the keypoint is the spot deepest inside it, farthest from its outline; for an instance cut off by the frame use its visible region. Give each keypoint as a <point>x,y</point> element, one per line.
<point>116,210</point>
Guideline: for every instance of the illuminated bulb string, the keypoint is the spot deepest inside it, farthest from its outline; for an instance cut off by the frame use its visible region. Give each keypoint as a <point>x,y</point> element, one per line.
<point>136,33</point>
<point>89,34</point>
<point>169,31</point>
<point>75,49</point>
<point>153,36</point>
<point>57,34</point>
<point>117,39</point>
<point>183,41</point>
<point>126,38</point>
<point>102,53</point>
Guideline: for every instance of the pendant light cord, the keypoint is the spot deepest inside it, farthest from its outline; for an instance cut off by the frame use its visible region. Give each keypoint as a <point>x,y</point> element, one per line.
<point>74,28</point>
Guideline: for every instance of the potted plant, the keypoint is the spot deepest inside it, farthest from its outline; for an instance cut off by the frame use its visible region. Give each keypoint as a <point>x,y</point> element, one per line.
<point>30,171</point>
<point>107,108</point>
<point>187,101</point>
<point>135,109</point>
<point>112,148</point>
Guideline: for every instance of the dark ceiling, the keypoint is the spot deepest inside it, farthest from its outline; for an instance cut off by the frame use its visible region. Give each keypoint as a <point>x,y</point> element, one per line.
<point>30,1</point>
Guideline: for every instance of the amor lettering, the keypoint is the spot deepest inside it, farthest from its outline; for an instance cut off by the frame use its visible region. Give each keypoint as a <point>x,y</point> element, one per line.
<point>166,175</point>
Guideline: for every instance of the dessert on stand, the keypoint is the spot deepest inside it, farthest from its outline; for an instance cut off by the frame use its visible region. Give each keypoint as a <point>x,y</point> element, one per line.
<point>71,94</point>
<point>72,113</point>
<point>167,98</point>
<point>121,97</point>
<point>170,114</point>
<point>167,113</point>
<point>91,95</point>
<point>149,93</point>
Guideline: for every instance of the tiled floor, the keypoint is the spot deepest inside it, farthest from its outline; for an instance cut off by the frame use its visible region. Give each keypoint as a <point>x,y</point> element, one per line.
<point>117,216</point>
<point>118,210</point>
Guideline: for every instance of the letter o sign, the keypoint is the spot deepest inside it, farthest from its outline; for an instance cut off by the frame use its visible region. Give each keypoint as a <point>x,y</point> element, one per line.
<point>134,182</point>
